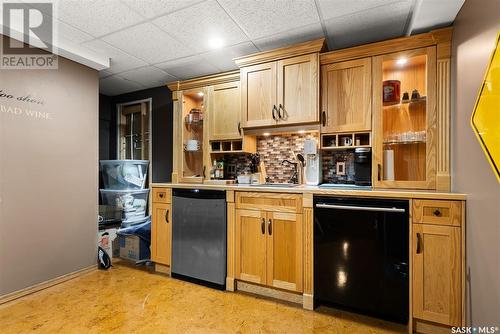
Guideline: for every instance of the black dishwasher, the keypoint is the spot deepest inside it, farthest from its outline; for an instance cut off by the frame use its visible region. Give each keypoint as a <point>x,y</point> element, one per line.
<point>361,255</point>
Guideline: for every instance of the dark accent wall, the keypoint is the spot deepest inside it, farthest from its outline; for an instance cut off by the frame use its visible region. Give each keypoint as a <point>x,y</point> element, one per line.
<point>161,132</point>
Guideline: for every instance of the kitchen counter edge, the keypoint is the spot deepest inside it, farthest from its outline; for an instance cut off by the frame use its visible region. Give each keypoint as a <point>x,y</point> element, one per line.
<point>315,190</point>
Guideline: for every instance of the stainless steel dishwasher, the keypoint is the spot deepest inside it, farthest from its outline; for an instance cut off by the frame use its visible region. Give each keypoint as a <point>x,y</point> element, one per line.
<point>199,236</point>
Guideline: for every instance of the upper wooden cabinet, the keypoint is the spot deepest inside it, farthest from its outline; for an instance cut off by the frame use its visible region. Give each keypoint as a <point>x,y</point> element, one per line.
<point>225,112</point>
<point>281,87</point>
<point>298,89</point>
<point>346,93</point>
<point>258,95</point>
<point>405,131</point>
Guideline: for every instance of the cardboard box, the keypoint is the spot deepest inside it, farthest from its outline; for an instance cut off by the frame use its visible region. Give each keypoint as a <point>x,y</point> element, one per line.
<point>133,248</point>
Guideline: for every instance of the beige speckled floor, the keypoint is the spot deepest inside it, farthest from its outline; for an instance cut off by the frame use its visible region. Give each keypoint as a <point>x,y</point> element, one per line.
<point>128,300</point>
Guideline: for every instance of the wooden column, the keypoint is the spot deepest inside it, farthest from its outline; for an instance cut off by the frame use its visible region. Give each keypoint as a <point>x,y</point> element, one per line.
<point>231,219</point>
<point>176,136</point>
<point>308,296</point>
<point>443,48</point>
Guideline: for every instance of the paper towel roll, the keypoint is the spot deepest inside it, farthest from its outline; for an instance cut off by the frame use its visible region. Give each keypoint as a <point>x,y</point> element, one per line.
<point>389,165</point>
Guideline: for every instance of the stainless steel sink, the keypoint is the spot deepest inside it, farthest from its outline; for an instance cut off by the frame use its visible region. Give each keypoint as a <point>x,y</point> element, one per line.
<point>276,185</point>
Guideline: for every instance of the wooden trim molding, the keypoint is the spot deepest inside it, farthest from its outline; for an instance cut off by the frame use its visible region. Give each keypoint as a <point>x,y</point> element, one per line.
<point>317,45</point>
<point>443,180</point>
<point>308,256</point>
<point>269,292</point>
<point>231,240</point>
<point>208,80</point>
<point>439,37</point>
<point>47,284</point>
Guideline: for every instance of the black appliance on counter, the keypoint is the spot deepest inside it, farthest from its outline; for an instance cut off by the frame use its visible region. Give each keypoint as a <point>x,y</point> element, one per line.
<point>363,166</point>
<point>361,255</point>
<point>199,235</point>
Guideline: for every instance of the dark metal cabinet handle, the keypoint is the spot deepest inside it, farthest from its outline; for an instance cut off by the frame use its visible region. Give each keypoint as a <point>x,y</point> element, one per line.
<point>379,171</point>
<point>419,243</point>
<point>204,169</point>
<point>279,111</point>
<point>161,195</point>
<point>166,215</point>
<point>274,109</point>
<point>239,128</point>
<point>263,226</point>
<point>270,227</point>
<point>323,118</point>
<point>437,213</point>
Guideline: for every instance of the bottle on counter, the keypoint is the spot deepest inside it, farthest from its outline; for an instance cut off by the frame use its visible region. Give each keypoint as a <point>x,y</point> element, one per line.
<point>212,170</point>
<point>220,169</point>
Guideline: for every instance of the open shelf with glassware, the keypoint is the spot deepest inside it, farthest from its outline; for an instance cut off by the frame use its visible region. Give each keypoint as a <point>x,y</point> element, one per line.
<point>336,141</point>
<point>193,111</point>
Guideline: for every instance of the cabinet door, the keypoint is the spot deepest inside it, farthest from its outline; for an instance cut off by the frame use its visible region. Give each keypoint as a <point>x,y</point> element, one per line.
<point>251,246</point>
<point>346,96</point>
<point>225,114</point>
<point>258,95</point>
<point>161,233</point>
<point>404,130</point>
<point>284,250</point>
<point>298,89</point>
<point>437,274</point>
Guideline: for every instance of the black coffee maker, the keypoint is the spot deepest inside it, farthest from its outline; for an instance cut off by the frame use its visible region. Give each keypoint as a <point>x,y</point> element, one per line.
<point>363,166</point>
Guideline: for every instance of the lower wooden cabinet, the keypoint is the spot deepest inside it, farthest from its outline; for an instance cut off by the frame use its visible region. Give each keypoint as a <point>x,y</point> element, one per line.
<point>437,274</point>
<point>269,248</point>
<point>161,233</point>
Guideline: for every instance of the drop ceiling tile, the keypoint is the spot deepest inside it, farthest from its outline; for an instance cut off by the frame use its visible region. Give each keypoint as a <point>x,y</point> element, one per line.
<point>67,33</point>
<point>337,8</point>
<point>148,76</point>
<point>96,17</point>
<point>223,58</point>
<point>294,36</point>
<point>150,9</point>
<point>115,85</point>
<point>104,74</point>
<point>148,42</point>
<point>268,17</point>
<point>189,67</point>
<point>435,14</point>
<point>368,26</point>
<point>119,60</point>
<point>196,31</point>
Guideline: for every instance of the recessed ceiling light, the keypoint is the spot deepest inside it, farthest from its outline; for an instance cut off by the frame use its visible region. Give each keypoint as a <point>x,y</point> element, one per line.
<point>302,131</point>
<point>215,43</point>
<point>266,134</point>
<point>401,61</point>
<point>200,94</point>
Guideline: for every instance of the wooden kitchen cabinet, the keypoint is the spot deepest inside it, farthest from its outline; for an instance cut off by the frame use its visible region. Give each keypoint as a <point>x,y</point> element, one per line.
<point>404,131</point>
<point>346,95</point>
<point>281,87</point>
<point>269,248</point>
<point>298,89</point>
<point>258,95</point>
<point>284,250</point>
<point>251,246</point>
<point>161,233</point>
<point>437,274</point>
<point>225,112</point>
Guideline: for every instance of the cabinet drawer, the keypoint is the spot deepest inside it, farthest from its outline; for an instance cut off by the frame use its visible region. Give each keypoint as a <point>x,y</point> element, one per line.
<point>437,212</point>
<point>162,195</point>
<point>276,202</point>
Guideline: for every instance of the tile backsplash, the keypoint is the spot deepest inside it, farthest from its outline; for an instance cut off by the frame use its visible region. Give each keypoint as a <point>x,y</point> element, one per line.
<point>329,160</point>
<point>275,148</point>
